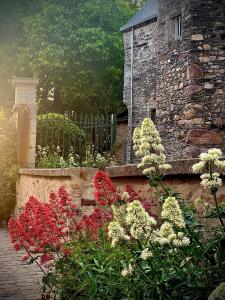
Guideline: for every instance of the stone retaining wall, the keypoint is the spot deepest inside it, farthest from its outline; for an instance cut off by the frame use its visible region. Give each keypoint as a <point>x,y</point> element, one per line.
<point>79,183</point>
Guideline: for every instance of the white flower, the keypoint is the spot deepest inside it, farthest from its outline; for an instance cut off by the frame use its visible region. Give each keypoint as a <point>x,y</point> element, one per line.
<point>167,236</point>
<point>117,233</point>
<point>62,162</point>
<point>198,167</point>
<point>119,213</point>
<point>139,220</point>
<point>148,146</point>
<point>211,180</point>
<point>127,271</point>
<point>125,196</point>
<point>211,155</point>
<point>166,230</point>
<point>209,161</point>
<point>171,212</point>
<point>219,164</point>
<point>145,254</point>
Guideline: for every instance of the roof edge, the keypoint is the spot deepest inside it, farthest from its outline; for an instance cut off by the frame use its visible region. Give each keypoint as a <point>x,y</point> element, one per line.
<point>127,27</point>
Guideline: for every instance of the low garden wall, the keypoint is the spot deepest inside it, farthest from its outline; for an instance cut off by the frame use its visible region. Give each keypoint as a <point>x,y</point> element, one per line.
<point>79,183</point>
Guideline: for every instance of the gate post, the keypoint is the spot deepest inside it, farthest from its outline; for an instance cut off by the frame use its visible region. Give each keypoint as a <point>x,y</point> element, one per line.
<point>26,118</point>
<point>113,129</point>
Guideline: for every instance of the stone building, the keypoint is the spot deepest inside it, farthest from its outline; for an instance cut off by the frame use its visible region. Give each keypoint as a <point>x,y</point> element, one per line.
<point>175,73</point>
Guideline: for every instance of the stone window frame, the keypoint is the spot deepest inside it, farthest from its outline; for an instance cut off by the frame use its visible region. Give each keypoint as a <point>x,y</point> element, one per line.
<point>177,24</point>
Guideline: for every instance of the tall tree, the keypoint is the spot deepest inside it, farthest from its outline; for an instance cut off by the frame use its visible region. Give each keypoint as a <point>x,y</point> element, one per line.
<point>74,47</point>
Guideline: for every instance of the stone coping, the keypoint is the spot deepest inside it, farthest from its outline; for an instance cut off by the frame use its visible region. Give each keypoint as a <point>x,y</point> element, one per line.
<point>62,172</point>
<point>179,167</point>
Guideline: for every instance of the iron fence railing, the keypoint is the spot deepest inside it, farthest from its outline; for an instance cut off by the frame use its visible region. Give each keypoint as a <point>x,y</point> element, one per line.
<point>78,132</point>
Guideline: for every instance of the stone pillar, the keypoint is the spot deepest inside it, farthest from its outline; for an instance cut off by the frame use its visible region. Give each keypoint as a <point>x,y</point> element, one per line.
<point>25,111</point>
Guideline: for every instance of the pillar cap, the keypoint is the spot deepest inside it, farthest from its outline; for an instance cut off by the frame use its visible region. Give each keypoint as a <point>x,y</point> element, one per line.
<point>21,81</point>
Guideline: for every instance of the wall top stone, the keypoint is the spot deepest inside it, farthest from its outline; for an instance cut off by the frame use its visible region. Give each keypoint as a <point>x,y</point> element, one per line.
<point>178,167</point>
<point>21,81</point>
<point>62,172</point>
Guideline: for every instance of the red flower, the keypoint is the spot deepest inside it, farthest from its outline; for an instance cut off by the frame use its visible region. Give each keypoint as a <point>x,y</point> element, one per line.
<point>105,191</point>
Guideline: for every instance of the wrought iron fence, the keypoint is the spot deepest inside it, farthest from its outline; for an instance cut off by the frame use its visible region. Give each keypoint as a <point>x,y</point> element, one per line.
<point>78,132</point>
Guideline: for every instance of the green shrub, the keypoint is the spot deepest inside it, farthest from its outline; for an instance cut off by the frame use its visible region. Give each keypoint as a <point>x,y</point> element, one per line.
<point>56,129</point>
<point>93,271</point>
<point>8,165</point>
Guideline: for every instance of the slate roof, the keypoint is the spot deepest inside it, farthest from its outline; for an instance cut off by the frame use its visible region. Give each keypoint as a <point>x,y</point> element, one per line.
<point>148,12</point>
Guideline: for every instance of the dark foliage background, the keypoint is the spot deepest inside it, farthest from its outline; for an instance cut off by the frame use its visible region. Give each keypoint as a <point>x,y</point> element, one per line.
<point>75,47</point>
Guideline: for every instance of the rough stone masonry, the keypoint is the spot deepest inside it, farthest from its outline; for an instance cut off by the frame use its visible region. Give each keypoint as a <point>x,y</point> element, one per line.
<point>182,78</point>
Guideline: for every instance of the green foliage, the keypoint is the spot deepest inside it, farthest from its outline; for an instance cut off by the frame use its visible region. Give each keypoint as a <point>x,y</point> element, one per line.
<point>56,129</point>
<point>74,47</point>
<point>86,271</point>
<point>8,165</point>
<point>51,157</point>
<point>56,123</point>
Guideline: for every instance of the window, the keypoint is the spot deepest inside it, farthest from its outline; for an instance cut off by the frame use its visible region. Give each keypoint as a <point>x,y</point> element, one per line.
<point>153,115</point>
<point>178,27</point>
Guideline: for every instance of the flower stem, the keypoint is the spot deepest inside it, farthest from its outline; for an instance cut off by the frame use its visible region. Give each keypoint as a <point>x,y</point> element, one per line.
<point>218,211</point>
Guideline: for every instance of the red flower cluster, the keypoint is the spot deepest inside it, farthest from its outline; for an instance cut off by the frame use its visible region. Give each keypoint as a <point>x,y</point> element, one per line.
<point>147,204</point>
<point>105,191</point>
<point>43,228</point>
<point>93,222</point>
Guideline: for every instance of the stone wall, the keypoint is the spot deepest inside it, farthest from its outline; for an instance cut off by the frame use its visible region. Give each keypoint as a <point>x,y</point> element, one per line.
<point>144,72</point>
<point>79,183</point>
<point>121,142</point>
<point>184,78</point>
<point>41,182</point>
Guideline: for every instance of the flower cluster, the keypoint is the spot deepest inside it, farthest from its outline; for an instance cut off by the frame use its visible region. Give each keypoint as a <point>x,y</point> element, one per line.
<point>130,221</point>
<point>213,156</point>
<point>148,204</point>
<point>90,224</point>
<point>211,181</point>
<point>127,271</point>
<point>44,226</point>
<point>171,212</point>
<point>148,146</point>
<point>105,191</point>
<point>139,221</point>
<point>145,254</point>
<point>209,162</point>
<point>169,232</point>
<point>117,233</point>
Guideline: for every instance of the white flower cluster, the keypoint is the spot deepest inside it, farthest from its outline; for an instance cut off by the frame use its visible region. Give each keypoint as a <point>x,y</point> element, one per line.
<point>42,152</point>
<point>145,254</point>
<point>213,156</point>
<point>167,235</point>
<point>130,220</point>
<point>125,196</point>
<point>127,271</point>
<point>117,233</point>
<point>171,212</point>
<point>211,180</point>
<point>148,146</point>
<point>210,161</point>
<point>139,221</point>
<point>119,213</point>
